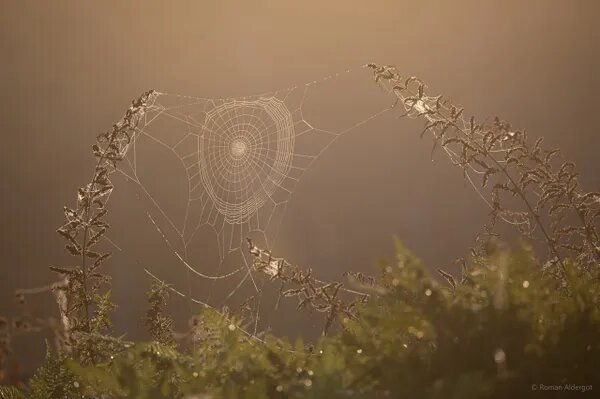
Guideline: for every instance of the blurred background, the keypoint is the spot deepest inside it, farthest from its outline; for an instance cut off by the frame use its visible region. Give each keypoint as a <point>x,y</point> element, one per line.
<point>70,68</point>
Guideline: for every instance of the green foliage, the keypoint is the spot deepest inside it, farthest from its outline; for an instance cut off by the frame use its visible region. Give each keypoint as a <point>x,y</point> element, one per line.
<point>10,393</point>
<point>54,380</point>
<point>158,323</point>
<point>506,327</point>
<point>502,330</point>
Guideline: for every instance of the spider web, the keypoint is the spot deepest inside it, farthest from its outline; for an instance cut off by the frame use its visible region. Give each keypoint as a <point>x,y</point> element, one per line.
<point>238,162</point>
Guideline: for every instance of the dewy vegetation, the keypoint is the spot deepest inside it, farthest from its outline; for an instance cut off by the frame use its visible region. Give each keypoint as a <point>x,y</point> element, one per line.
<point>513,321</point>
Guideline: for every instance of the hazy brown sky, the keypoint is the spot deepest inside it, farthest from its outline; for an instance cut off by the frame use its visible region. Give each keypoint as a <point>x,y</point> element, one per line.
<point>70,68</point>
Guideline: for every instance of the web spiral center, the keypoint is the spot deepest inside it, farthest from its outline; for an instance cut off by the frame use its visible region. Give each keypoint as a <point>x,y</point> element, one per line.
<point>246,152</point>
<point>238,148</point>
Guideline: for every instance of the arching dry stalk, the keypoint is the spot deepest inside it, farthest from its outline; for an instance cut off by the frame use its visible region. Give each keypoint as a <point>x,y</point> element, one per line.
<point>502,164</point>
<point>311,293</point>
<point>84,310</point>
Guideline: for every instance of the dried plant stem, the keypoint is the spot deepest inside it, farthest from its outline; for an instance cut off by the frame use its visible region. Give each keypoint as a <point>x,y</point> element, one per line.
<point>323,297</point>
<point>85,311</point>
<point>517,168</point>
<point>519,192</point>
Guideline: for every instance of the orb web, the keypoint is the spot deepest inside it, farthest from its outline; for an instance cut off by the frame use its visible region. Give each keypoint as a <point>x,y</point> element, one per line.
<point>241,160</point>
<point>247,149</point>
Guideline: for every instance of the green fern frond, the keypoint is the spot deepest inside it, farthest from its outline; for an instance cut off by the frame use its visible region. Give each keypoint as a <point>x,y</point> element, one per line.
<point>11,393</point>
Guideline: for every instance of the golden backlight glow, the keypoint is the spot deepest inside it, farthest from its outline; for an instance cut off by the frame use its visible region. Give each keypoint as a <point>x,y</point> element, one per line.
<point>71,68</point>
